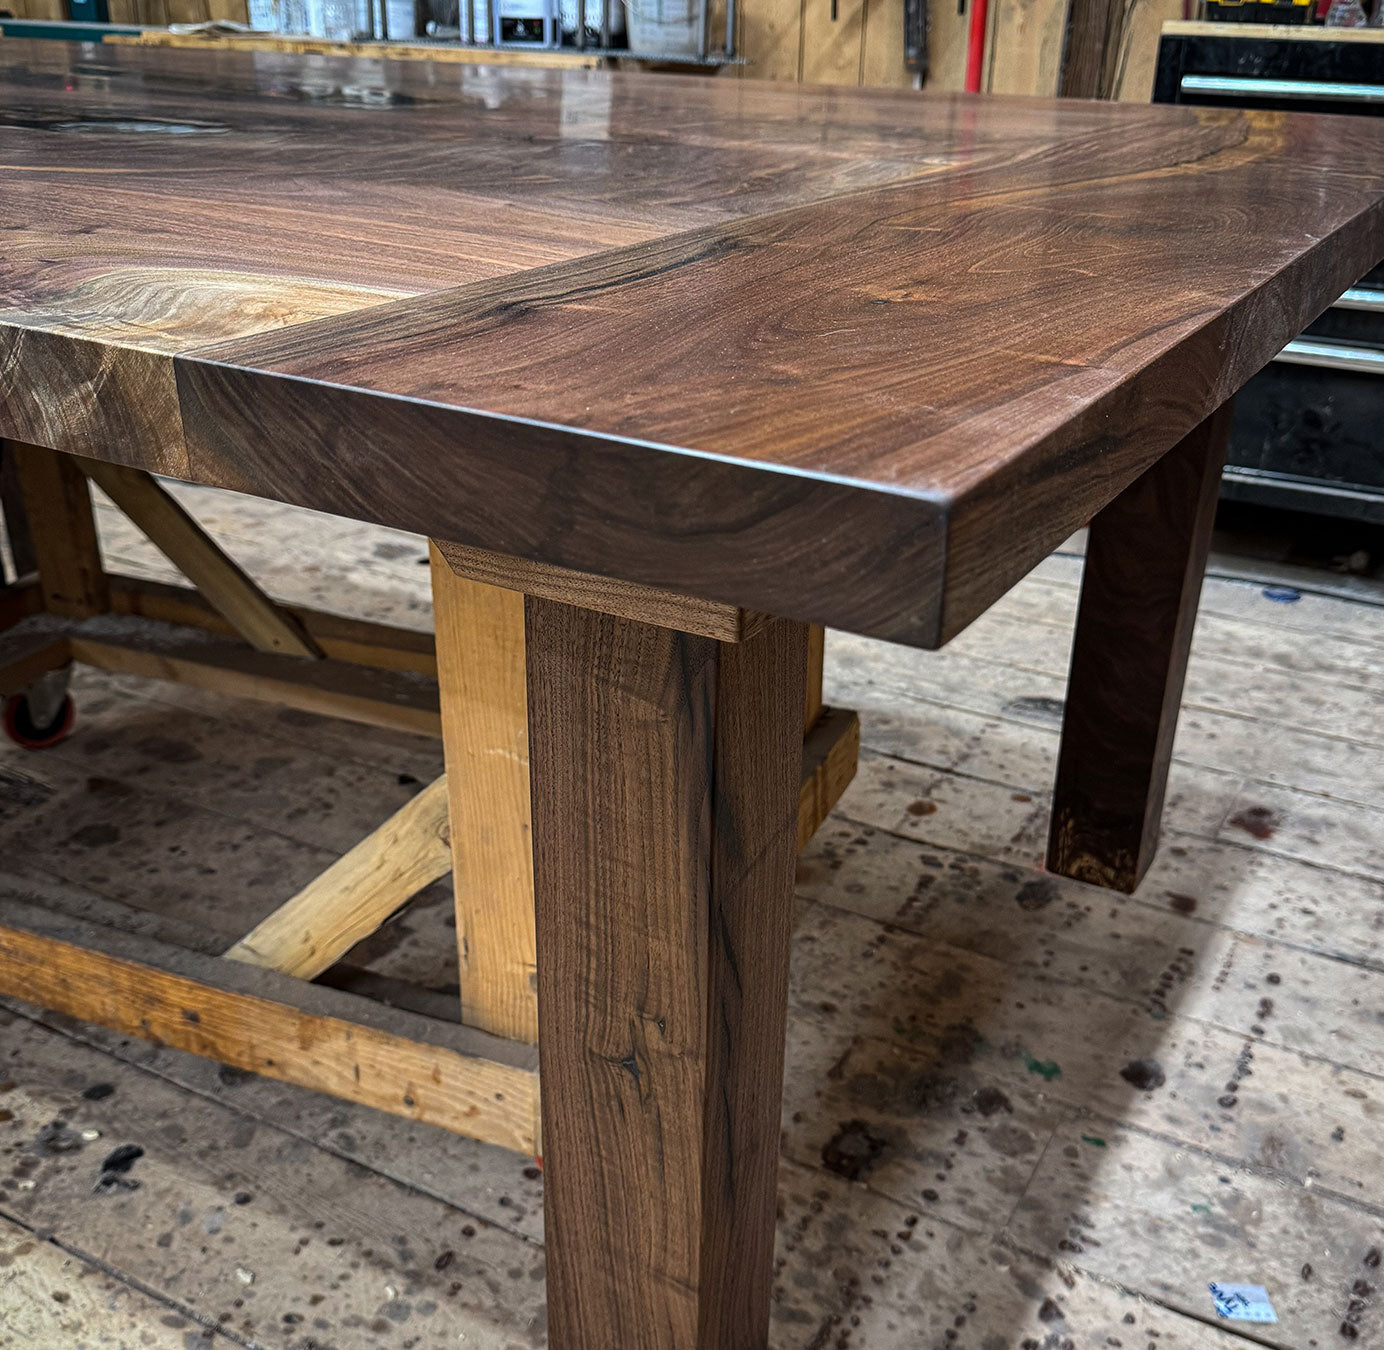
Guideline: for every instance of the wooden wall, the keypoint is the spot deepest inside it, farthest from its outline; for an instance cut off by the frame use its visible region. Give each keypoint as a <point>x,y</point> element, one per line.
<point>36,9</point>
<point>799,40</point>
<point>153,12</point>
<point>160,12</point>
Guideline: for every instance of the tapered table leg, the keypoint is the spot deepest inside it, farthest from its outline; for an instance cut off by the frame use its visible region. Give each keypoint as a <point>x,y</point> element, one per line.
<point>1144,564</point>
<point>665,773</point>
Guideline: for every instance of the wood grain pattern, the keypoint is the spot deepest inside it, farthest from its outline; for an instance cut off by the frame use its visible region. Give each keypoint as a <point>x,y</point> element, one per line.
<point>316,927</point>
<point>160,13</point>
<point>947,33</point>
<point>647,604</point>
<point>256,618</point>
<point>1051,390</point>
<point>1144,564</point>
<point>1027,40</point>
<point>76,394</point>
<point>400,699</point>
<point>49,10</point>
<point>882,46</point>
<point>831,753</point>
<point>18,601</point>
<point>832,40</point>
<point>15,519</point>
<point>355,641</point>
<point>799,351</point>
<point>273,1024</point>
<point>702,525</point>
<point>1137,59</point>
<point>816,660</point>
<point>1092,49</point>
<point>57,506</point>
<point>485,738</point>
<point>665,783</point>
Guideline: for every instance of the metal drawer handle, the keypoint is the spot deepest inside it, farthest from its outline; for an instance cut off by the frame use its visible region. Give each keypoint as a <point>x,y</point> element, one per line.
<point>1362,297</point>
<point>1310,488</point>
<point>1303,89</point>
<point>1333,356</point>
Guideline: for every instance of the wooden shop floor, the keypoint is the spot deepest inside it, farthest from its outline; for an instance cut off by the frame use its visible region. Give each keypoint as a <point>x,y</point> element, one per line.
<point>1021,1113</point>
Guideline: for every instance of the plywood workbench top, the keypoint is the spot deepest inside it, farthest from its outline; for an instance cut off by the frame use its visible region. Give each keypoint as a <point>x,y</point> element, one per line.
<point>853,356</point>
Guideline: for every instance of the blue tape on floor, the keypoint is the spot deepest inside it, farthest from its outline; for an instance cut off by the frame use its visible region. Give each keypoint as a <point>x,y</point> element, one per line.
<point>1243,1302</point>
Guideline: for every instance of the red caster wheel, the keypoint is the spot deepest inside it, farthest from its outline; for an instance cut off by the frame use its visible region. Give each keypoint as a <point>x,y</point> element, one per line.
<point>22,729</point>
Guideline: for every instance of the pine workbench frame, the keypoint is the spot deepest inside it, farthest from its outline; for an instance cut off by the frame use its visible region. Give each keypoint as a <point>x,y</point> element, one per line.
<point>250,1007</point>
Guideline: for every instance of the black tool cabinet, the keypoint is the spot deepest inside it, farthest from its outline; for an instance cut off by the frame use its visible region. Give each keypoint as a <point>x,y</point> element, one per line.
<point>1309,429</point>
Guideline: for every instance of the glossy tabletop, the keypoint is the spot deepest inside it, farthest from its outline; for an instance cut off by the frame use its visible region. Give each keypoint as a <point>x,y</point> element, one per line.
<point>854,356</point>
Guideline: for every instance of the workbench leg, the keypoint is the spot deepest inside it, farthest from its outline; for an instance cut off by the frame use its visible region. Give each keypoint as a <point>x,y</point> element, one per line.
<point>665,778</point>
<point>55,497</point>
<point>485,736</point>
<point>1144,564</point>
<point>15,518</point>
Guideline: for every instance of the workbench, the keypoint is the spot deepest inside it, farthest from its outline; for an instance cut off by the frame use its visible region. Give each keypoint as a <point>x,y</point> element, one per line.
<point>672,373</point>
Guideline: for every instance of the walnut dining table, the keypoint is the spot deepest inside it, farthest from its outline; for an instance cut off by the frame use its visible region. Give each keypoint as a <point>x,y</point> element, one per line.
<point>673,372</point>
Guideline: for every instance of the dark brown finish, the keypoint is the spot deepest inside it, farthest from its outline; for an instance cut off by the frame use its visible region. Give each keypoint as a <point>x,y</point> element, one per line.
<point>856,357</point>
<point>14,518</point>
<point>18,601</point>
<point>664,772</point>
<point>816,660</point>
<point>1144,564</point>
<point>57,503</point>
<point>1091,50</point>
<point>941,365</point>
<point>668,609</point>
<point>831,754</point>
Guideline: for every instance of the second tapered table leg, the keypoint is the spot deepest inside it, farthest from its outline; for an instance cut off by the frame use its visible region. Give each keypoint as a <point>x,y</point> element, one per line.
<point>1144,564</point>
<point>665,774</point>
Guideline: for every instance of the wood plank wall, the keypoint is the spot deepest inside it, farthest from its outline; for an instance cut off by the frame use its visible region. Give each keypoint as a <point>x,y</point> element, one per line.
<point>35,9</point>
<point>800,40</point>
<point>148,12</point>
<point>160,12</point>
<point>863,44</point>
